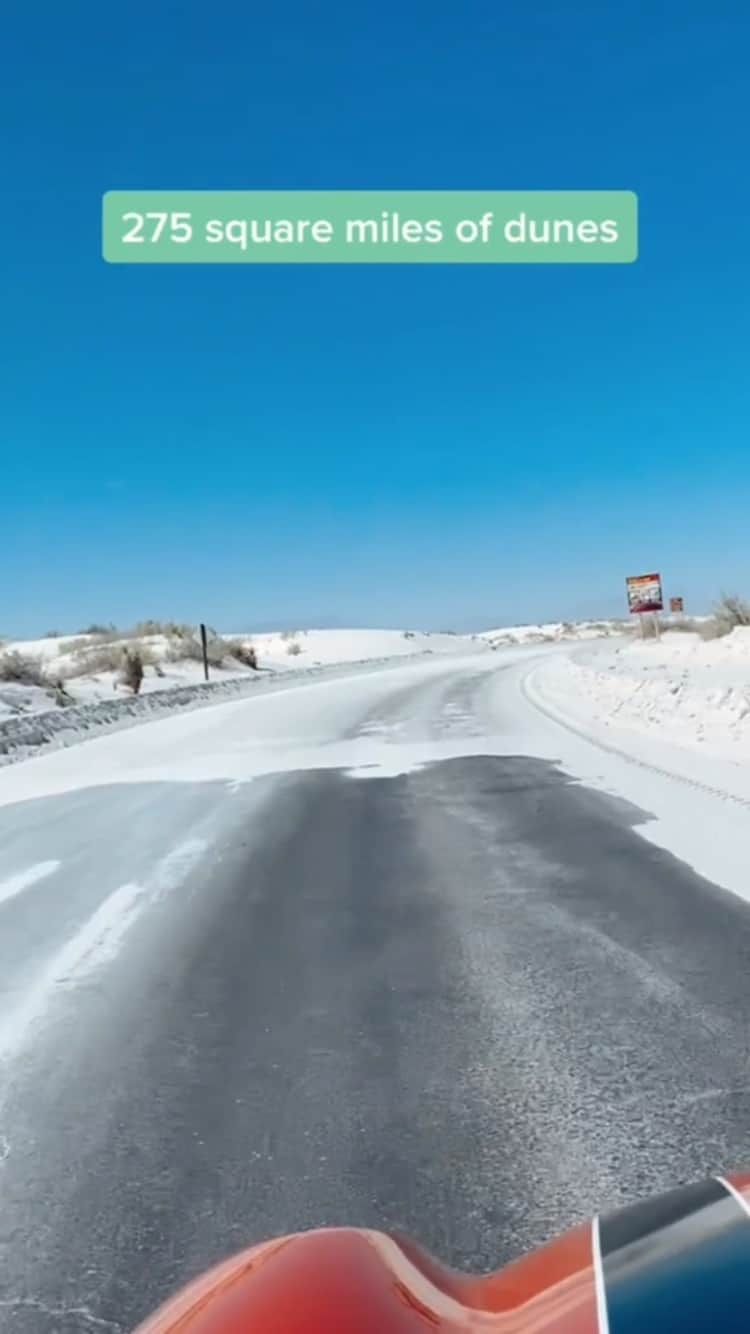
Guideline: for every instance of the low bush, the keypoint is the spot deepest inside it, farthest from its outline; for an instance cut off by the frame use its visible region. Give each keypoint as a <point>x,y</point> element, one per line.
<point>244,653</point>
<point>63,699</point>
<point>141,630</point>
<point>190,649</point>
<point>728,613</point>
<point>172,629</point>
<point>132,670</point>
<point>22,669</point>
<point>97,629</point>
<point>731,611</point>
<point>293,649</point>
<point>216,650</point>
<point>95,658</point>
<point>100,657</point>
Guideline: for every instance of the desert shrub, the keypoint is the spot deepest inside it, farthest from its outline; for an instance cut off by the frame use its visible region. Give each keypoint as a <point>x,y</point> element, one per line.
<point>22,669</point>
<point>141,630</point>
<point>101,636</point>
<point>98,629</point>
<point>132,670</point>
<point>107,657</point>
<point>172,629</point>
<point>89,661</point>
<point>63,699</point>
<point>287,635</point>
<point>731,611</point>
<point>293,649</point>
<point>190,649</point>
<point>215,651</point>
<point>728,613</point>
<point>148,627</point>
<point>184,650</point>
<point>409,634</point>
<point>53,634</point>
<point>244,653</point>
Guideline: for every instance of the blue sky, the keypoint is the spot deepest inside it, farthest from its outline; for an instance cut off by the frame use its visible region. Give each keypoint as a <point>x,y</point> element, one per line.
<point>438,446</point>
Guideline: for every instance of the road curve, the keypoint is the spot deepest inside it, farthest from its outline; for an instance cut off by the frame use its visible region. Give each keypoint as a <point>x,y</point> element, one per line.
<point>397,980</point>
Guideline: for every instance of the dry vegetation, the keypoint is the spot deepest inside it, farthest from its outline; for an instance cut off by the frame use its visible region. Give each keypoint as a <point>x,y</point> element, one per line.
<point>103,648</point>
<point>190,649</point>
<point>20,669</point>
<point>91,659</point>
<point>242,652</point>
<point>100,630</point>
<point>728,613</point>
<point>132,670</point>
<point>141,630</point>
<point>171,629</point>
<point>186,650</point>
<point>127,655</point>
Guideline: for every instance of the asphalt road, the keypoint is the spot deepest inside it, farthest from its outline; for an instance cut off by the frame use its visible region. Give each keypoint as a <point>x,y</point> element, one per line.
<point>469,1000</point>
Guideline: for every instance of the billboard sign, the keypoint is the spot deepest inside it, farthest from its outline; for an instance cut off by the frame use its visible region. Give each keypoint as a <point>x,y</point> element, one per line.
<point>644,593</point>
<point>676,604</point>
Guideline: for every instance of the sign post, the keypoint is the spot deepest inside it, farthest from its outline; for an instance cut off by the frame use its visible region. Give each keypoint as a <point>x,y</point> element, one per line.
<point>645,597</point>
<point>204,647</point>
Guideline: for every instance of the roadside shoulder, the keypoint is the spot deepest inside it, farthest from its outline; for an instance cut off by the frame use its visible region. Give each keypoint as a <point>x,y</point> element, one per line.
<point>560,688</point>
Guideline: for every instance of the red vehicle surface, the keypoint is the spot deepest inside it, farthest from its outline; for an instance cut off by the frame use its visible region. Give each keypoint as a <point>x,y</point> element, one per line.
<point>679,1262</point>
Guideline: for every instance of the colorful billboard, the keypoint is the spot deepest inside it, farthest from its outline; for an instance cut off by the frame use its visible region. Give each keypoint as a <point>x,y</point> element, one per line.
<point>644,593</point>
<point>676,604</point>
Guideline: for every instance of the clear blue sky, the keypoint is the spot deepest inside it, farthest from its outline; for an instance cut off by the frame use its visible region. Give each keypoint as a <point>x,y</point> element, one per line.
<point>437,446</point>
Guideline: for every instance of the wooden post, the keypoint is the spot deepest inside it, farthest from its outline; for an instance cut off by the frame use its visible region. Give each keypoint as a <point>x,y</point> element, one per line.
<point>204,646</point>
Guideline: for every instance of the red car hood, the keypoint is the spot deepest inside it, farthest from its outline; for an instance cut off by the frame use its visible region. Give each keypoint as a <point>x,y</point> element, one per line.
<point>672,1263</point>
